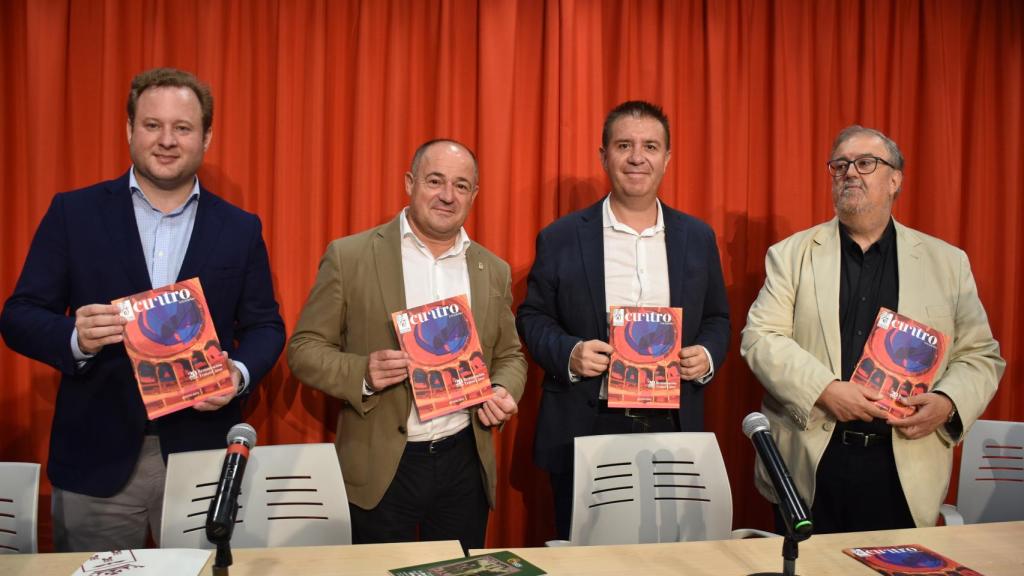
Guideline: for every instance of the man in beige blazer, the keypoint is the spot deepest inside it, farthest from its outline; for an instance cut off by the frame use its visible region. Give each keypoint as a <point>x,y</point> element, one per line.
<point>862,468</point>
<point>405,477</point>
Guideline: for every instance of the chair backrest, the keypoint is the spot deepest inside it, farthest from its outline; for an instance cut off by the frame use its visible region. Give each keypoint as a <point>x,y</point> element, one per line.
<point>658,487</point>
<point>19,502</point>
<point>291,495</point>
<point>991,487</point>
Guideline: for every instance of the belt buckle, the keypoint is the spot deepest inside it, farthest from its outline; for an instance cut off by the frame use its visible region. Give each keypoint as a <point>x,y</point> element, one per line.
<point>862,438</point>
<point>432,448</point>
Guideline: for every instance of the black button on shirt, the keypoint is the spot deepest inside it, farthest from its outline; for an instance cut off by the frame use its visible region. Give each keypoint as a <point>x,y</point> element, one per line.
<point>868,280</point>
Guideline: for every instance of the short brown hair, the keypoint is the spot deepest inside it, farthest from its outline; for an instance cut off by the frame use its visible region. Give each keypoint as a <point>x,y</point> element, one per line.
<point>161,77</point>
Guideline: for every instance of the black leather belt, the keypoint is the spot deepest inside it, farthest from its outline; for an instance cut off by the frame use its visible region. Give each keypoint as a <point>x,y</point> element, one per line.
<point>638,413</point>
<point>441,444</point>
<point>863,440</point>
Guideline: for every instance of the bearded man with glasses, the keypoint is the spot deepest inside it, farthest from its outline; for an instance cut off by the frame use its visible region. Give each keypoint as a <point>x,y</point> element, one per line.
<point>863,468</point>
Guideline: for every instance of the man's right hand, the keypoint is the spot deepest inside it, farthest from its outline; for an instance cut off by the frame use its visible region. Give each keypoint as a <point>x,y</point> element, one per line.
<point>386,368</point>
<point>590,358</point>
<point>97,326</point>
<point>848,401</point>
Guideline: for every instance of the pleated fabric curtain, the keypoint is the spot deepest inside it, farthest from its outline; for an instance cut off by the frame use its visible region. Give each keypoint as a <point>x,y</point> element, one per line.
<point>320,104</point>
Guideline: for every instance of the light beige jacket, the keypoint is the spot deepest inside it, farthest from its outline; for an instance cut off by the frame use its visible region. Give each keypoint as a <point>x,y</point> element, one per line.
<point>792,344</point>
<point>348,316</point>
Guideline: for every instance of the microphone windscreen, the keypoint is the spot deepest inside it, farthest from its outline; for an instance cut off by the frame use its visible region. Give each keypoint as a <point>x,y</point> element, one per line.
<point>755,422</point>
<point>242,433</point>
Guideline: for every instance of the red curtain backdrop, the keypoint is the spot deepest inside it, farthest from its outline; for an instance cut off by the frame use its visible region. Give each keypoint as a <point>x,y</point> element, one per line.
<point>320,104</point>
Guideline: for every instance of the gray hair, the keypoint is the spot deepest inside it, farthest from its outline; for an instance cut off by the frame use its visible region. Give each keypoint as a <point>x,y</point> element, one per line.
<point>895,156</point>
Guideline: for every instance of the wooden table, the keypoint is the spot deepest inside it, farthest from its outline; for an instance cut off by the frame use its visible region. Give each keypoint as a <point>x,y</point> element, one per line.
<point>362,560</point>
<point>991,549</point>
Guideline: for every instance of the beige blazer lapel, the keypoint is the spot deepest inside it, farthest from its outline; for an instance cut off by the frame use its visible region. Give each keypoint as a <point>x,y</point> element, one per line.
<point>387,259</point>
<point>913,278</point>
<point>825,259</point>
<point>479,284</point>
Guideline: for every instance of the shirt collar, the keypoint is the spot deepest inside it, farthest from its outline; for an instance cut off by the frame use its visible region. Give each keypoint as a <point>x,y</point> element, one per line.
<point>460,246</point>
<point>608,220</point>
<point>133,185</point>
<point>882,244</point>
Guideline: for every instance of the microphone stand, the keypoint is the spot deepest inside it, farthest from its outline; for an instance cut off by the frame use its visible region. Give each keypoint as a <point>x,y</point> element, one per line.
<point>223,558</point>
<point>790,551</point>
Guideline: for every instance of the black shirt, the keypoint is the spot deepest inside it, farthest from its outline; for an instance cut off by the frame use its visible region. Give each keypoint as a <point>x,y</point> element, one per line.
<point>868,280</point>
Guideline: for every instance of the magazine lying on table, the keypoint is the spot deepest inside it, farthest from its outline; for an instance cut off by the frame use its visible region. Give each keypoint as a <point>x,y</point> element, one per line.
<point>493,564</point>
<point>908,559</point>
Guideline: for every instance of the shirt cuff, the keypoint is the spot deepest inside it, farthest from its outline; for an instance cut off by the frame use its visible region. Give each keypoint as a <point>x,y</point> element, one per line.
<point>573,377</point>
<point>80,357</point>
<point>243,386</point>
<point>711,368</point>
<point>367,391</point>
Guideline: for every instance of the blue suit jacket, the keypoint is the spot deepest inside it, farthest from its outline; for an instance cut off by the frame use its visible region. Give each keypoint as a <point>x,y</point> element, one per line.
<point>87,250</point>
<point>565,303</point>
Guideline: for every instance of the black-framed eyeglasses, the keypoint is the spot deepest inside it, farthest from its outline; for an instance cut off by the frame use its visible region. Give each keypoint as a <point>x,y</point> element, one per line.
<point>863,165</point>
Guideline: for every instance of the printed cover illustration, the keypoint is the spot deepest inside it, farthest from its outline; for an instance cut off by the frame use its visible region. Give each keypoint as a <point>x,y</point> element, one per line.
<point>446,367</point>
<point>173,347</point>
<point>644,368</point>
<point>908,559</point>
<point>493,564</point>
<point>900,359</point>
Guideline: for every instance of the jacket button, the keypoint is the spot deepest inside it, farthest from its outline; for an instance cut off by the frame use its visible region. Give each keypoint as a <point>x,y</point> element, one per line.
<point>402,430</point>
<point>827,426</point>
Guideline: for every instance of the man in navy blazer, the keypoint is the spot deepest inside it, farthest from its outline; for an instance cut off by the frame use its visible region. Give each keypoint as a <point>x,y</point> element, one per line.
<point>627,250</point>
<point>152,226</point>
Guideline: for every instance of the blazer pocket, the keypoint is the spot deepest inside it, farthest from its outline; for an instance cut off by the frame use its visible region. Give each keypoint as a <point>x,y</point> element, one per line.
<point>938,311</point>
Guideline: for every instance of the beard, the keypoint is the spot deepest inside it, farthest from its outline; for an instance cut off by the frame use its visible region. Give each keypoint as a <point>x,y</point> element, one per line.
<point>850,199</point>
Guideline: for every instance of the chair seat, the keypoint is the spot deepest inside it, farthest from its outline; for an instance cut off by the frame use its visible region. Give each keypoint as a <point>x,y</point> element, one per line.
<point>19,503</point>
<point>291,495</point>
<point>657,487</point>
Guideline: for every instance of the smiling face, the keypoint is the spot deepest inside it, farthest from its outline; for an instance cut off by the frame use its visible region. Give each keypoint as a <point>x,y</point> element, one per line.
<point>441,192</point>
<point>871,195</point>
<point>636,157</point>
<point>166,140</point>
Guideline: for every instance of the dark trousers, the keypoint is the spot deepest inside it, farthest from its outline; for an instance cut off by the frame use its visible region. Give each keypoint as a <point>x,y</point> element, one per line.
<point>437,494</point>
<point>609,421</point>
<point>857,486</point>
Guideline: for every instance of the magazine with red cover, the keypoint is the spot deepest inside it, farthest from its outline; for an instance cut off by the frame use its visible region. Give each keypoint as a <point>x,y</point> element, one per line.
<point>908,559</point>
<point>900,359</point>
<point>446,366</point>
<point>173,347</point>
<point>644,367</point>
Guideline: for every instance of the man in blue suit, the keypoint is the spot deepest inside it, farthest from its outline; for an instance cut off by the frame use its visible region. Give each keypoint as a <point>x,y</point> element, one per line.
<point>151,227</point>
<point>629,249</point>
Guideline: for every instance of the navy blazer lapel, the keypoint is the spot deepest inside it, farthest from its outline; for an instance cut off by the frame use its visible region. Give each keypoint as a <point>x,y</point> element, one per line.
<point>205,235</point>
<point>676,233</point>
<point>119,217</point>
<point>589,228</point>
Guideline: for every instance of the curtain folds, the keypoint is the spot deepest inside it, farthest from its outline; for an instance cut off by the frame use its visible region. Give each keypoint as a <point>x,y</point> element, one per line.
<point>320,104</point>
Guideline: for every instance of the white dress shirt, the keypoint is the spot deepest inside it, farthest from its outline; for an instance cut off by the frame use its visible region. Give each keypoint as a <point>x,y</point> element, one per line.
<point>428,279</point>
<point>636,270</point>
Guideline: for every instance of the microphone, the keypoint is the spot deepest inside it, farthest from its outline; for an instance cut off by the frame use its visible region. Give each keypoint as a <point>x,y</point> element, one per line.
<point>220,518</point>
<point>794,511</point>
